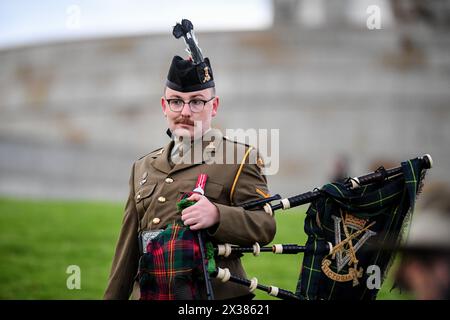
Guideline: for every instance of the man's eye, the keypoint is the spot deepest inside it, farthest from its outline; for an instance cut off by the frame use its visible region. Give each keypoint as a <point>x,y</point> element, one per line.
<point>176,102</point>
<point>196,102</point>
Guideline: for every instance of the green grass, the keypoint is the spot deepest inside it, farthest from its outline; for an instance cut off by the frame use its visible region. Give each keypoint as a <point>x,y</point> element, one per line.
<point>40,239</point>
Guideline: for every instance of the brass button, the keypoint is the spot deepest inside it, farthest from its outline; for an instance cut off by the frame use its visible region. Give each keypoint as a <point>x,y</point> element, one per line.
<point>162,199</point>
<point>156,220</point>
<point>169,180</point>
<point>142,182</point>
<point>138,196</point>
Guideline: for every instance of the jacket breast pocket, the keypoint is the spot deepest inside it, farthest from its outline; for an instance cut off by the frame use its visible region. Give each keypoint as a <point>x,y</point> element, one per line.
<point>212,190</point>
<point>143,197</point>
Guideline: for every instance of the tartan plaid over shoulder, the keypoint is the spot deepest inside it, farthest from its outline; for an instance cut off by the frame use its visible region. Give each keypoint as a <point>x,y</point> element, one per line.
<point>172,267</point>
<point>354,221</point>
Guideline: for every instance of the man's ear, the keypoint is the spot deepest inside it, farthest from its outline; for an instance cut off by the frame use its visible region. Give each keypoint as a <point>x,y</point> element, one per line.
<point>163,105</point>
<point>215,106</point>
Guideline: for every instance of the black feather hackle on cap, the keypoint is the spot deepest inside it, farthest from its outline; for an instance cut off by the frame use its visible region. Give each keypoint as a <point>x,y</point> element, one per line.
<point>192,74</point>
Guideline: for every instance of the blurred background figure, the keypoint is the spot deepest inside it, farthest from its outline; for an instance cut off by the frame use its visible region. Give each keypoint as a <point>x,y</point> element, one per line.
<point>425,263</point>
<point>341,169</point>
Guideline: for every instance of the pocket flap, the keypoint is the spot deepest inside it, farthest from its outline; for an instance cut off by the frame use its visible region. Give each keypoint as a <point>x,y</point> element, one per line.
<point>145,192</point>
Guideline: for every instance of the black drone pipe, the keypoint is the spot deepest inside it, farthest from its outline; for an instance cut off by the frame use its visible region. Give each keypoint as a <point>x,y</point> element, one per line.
<point>353,183</point>
<point>226,249</point>
<point>224,275</point>
<point>258,203</point>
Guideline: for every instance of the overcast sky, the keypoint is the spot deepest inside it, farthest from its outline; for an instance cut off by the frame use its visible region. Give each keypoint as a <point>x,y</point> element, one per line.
<point>29,21</point>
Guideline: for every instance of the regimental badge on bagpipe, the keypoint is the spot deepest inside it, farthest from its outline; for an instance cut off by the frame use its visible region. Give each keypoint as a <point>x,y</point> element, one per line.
<point>344,251</point>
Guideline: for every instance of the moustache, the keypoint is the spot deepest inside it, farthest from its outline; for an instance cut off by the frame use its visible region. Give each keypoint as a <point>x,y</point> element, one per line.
<point>184,121</point>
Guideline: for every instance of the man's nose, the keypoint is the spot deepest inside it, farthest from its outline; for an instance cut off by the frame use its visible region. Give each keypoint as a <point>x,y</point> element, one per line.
<point>186,111</point>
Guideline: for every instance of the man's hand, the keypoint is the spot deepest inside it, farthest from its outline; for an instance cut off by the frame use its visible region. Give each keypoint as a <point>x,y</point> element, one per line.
<point>201,215</point>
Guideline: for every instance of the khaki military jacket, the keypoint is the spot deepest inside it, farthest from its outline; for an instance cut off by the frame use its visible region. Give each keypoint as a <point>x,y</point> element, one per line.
<point>156,186</point>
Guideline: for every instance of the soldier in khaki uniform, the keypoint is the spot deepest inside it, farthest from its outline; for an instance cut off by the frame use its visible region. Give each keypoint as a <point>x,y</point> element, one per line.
<point>159,178</point>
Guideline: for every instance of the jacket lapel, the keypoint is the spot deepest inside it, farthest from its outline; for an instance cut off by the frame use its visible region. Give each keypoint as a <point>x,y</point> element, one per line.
<point>162,163</point>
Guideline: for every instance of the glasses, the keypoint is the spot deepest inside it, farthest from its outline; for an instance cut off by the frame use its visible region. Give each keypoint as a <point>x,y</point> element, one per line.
<point>196,105</point>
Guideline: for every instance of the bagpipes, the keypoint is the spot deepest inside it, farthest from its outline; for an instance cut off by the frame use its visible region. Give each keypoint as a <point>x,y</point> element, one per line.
<point>369,211</point>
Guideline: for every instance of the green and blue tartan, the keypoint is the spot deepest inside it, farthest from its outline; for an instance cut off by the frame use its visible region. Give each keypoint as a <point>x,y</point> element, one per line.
<point>386,204</point>
<point>172,267</point>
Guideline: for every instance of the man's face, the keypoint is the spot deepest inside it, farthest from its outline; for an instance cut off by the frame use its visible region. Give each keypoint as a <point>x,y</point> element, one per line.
<point>182,123</point>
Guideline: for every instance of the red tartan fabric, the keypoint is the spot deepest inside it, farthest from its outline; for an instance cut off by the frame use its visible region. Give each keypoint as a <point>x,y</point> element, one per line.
<point>172,267</point>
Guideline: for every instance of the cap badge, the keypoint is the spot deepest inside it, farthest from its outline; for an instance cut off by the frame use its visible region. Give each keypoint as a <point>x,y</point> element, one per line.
<point>207,76</point>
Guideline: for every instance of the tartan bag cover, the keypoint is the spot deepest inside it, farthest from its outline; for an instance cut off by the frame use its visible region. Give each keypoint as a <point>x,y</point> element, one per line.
<point>357,223</point>
<point>172,267</point>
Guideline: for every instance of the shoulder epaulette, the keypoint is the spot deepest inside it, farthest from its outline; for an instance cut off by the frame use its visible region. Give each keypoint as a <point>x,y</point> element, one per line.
<point>155,152</point>
<point>238,173</point>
